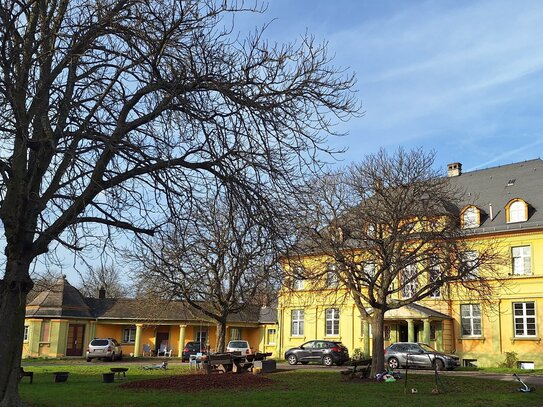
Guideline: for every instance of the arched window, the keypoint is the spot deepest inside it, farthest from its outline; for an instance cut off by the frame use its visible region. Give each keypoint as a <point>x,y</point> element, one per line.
<point>471,217</point>
<point>517,211</point>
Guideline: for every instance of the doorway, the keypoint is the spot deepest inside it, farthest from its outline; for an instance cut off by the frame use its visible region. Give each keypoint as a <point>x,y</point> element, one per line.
<point>76,335</point>
<point>161,337</point>
<point>403,332</point>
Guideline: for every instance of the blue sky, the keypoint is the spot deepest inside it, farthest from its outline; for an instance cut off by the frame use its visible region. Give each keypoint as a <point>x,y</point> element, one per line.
<point>464,78</point>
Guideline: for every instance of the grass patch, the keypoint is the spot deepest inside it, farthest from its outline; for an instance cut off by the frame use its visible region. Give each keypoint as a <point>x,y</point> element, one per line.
<point>294,387</point>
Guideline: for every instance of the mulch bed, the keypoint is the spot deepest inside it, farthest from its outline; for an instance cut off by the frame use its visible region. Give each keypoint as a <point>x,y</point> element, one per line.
<point>201,382</point>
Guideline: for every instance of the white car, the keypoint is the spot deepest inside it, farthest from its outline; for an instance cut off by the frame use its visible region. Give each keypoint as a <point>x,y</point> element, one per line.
<point>239,346</point>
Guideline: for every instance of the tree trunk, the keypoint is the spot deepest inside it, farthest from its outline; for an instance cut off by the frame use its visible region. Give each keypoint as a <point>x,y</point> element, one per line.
<point>221,336</point>
<point>378,357</point>
<point>13,291</point>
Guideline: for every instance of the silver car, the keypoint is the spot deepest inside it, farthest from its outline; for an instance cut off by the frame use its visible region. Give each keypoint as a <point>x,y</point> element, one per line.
<point>104,348</point>
<point>239,346</point>
<point>418,354</point>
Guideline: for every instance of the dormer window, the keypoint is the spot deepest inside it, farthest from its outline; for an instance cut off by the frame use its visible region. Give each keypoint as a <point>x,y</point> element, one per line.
<point>516,211</point>
<point>471,217</point>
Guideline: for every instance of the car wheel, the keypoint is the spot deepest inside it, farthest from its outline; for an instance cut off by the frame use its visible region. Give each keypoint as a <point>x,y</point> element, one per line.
<point>393,363</point>
<point>327,360</point>
<point>112,358</point>
<point>292,359</point>
<point>305,362</point>
<point>120,356</point>
<point>438,364</point>
<point>89,359</point>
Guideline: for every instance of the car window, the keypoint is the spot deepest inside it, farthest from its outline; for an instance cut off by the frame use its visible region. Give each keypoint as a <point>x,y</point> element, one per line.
<point>309,345</point>
<point>115,342</point>
<point>238,344</point>
<point>414,348</point>
<point>427,348</point>
<point>99,342</point>
<point>318,345</point>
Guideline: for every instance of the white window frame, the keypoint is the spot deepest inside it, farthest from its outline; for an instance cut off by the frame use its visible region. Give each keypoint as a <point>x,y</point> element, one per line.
<point>297,322</point>
<point>201,336</point>
<point>332,279</point>
<point>433,275</point>
<point>332,322</point>
<point>271,335</point>
<point>235,334</point>
<point>470,218</point>
<point>469,258</point>
<point>129,334</point>
<point>297,284</point>
<point>470,320</point>
<point>524,316</point>
<point>517,212</point>
<point>409,288</point>
<point>26,333</point>
<point>521,260</point>
<point>369,269</point>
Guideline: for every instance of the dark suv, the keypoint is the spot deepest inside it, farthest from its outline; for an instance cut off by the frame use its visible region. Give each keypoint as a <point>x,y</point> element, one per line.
<point>325,352</point>
<point>418,354</point>
<point>192,348</point>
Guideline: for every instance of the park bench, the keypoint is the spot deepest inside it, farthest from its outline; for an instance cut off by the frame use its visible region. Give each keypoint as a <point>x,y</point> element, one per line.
<point>359,368</point>
<point>22,374</point>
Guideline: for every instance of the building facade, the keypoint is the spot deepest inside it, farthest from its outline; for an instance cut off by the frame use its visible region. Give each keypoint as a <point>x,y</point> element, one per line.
<point>503,205</point>
<point>60,322</point>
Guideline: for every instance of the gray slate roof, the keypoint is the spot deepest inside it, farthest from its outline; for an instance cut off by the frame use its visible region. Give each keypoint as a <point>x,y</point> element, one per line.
<point>64,300</point>
<point>61,300</point>
<point>490,186</point>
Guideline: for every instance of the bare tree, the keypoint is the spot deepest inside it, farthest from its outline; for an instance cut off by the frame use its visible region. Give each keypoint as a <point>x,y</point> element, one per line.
<point>106,277</point>
<point>220,262</point>
<point>390,226</point>
<point>115,113</point>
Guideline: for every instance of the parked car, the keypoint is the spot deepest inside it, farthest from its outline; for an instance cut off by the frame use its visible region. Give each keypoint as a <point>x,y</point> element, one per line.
<point>104,348</point>
<point>325,352</point>
<point>239,346</point>
<point>192,348</point>
<point>419,355</point>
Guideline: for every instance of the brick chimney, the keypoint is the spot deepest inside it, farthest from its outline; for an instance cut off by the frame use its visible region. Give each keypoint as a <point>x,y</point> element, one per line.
<point>102,292</point>
<point>454,169</point>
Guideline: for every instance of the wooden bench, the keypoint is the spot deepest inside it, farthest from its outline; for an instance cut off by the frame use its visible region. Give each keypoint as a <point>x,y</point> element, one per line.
<point>22,374</point>
<point>360,369</point>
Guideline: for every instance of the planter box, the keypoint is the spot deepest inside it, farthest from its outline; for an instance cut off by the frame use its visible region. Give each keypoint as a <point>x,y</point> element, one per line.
<point>108,377</point>
<point>61,377</point>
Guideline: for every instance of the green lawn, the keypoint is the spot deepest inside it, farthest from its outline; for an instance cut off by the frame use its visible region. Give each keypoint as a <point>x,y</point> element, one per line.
<point>291,388</point>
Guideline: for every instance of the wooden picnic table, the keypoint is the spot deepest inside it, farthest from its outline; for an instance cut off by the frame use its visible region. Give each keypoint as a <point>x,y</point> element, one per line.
<point>232,362</point>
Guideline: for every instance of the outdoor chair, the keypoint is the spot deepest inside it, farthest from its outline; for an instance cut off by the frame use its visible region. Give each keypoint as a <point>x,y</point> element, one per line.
<point>163,349</point>
<point>195,361</point>
<point>147,350</point>
<point>168,352</point>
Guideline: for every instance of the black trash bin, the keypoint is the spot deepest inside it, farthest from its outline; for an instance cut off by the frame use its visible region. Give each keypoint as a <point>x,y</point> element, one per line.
<point>108,377</point>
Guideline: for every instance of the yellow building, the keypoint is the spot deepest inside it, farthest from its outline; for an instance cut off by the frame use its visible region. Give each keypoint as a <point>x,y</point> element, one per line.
<point>60,322</point>
<point>505,206</point>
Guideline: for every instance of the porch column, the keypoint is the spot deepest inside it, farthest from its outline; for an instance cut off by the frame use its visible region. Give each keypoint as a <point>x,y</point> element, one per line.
<point>366,336</point>
<point>426,332</point>
<point>137,342</point>
<point>410,330</point>
<point>182,330</point>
